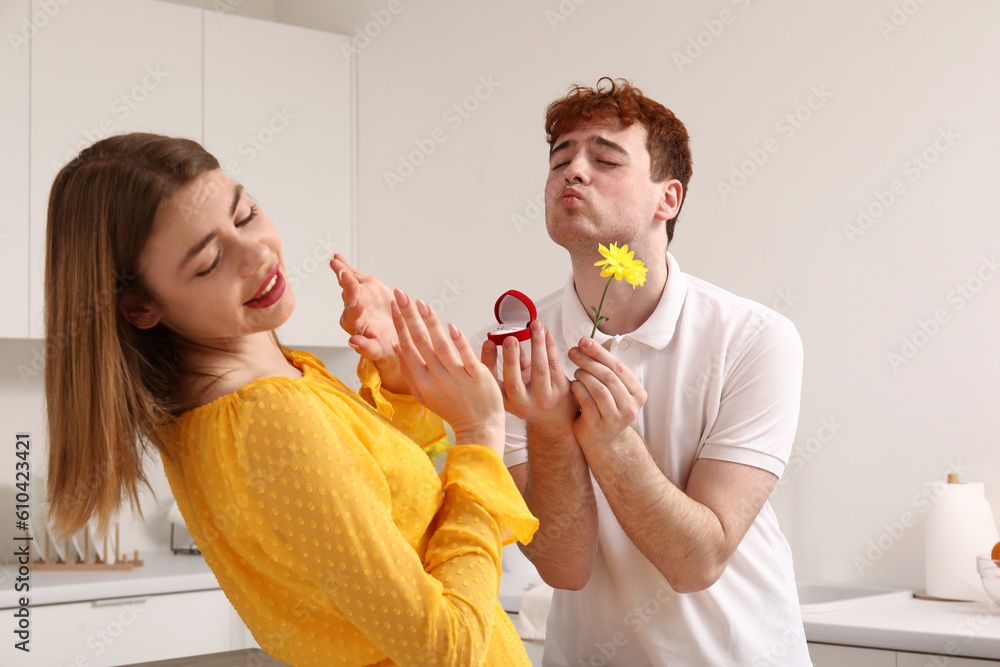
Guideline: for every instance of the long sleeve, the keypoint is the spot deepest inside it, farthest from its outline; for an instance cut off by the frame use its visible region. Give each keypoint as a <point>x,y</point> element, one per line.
<point>332,491</point>
<point>404,412</point>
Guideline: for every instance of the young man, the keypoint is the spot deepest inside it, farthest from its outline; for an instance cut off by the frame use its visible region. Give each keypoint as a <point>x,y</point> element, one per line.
<point>650,468</point>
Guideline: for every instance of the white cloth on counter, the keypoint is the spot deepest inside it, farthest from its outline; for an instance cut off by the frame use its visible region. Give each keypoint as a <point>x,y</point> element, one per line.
<point>534,611</point>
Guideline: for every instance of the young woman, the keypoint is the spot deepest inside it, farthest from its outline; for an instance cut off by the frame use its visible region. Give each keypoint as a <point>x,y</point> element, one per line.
<point>317,510</point>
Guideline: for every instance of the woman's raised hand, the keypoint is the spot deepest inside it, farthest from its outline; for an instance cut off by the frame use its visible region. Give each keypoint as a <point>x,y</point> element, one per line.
<point>445,377</point>
<point>368,319</point>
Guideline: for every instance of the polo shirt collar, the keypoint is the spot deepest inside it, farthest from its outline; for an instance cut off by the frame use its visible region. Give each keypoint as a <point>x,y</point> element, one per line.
<point>655,332</point>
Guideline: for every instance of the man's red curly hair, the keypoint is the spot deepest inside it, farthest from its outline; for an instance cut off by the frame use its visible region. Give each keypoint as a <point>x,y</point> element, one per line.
<point>667,141</point>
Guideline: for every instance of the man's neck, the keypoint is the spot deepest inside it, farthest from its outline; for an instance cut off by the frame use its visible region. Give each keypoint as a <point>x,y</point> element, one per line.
<point>626,307</point>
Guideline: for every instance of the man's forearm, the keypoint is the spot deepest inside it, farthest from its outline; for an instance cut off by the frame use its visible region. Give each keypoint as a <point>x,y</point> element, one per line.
<point>682,538</point>
<point>558,490</point>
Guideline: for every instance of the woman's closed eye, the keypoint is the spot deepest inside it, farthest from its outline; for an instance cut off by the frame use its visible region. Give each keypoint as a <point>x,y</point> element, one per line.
<point>240,223</point>
<point>250,218</point>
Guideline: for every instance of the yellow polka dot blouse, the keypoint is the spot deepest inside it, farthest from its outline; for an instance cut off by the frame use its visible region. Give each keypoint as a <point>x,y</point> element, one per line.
<point>330,531</point>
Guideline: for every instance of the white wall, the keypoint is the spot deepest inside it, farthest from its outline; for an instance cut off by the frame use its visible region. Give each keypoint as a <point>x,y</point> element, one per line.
<point>780,238</point>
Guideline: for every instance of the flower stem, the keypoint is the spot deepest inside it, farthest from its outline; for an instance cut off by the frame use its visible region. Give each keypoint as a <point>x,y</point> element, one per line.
<point>597,318</point>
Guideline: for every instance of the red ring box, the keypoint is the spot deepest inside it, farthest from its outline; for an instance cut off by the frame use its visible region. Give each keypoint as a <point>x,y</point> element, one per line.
<point>514,312</point>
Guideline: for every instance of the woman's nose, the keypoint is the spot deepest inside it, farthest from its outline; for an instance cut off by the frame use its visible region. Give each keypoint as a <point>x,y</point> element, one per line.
<point>255,254</point>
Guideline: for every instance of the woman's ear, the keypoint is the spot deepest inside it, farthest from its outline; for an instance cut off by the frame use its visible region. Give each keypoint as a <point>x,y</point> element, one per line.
<point>139,309</point>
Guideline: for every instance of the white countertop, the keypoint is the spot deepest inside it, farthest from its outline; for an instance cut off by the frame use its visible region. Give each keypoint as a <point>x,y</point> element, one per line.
<point>160,573</point>
<point>968,629</point>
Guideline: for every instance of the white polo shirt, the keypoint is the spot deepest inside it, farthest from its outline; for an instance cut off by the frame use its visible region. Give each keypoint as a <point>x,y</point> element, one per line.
<point>723,376</point>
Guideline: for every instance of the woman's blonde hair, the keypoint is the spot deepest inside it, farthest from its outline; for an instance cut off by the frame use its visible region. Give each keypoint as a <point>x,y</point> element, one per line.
<point>108,384</point>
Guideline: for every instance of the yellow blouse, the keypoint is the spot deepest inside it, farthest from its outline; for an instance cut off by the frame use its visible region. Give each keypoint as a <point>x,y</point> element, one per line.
<point>330,531</point>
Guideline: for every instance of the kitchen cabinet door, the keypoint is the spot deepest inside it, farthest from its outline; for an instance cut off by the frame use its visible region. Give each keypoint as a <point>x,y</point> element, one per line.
<point>103,67</point>
<point>127,630</point>
<point>832,655</point>
<point>279,116</point>
<point>17,24</point>
<point>930,660</point>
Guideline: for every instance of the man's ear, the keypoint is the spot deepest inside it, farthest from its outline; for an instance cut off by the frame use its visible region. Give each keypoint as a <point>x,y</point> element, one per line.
<point>670,203</point>
<point>139,309</point>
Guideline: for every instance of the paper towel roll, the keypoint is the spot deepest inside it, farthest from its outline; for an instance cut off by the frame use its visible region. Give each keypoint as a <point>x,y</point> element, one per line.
<point>960,526</point>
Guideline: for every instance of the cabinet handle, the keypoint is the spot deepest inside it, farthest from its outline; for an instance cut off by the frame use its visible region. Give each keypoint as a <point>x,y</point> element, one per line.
<point>112,602</point>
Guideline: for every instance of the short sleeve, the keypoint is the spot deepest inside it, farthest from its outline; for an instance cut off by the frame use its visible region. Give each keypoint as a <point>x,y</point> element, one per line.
<point>759,407</point>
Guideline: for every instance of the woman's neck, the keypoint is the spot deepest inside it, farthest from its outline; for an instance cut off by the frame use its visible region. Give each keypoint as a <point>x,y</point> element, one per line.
<point>219,369</point>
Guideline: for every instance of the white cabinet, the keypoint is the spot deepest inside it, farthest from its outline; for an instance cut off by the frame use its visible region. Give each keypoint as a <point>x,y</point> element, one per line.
<point>16,24</point>
<point>128,630</point>
<point>274,103</point>
<point>102,67</point>
<point>278,115</point>
<point>928,660</point>
<point>832,655</point>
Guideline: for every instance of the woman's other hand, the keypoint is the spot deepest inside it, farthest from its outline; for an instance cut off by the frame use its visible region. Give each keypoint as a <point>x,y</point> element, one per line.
<point>447,377</point>
<point>368,319</point>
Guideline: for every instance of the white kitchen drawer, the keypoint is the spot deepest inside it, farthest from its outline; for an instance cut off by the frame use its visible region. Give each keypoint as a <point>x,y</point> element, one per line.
<point>832,655</point>
<point>119,631</point>
<point>928,660</point>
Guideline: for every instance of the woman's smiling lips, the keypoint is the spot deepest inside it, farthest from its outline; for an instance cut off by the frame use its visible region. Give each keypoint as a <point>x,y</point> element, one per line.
<point>270,290</point>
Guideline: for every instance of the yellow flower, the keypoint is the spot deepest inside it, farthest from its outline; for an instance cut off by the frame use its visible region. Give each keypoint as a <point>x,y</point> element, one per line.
<point>619,262</point>
<point>437,448</point>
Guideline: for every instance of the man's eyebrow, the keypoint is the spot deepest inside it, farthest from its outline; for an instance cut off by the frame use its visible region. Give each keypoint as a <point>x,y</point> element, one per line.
<point>601,141</point>
<point>564,145</point>
<point>594,139</point>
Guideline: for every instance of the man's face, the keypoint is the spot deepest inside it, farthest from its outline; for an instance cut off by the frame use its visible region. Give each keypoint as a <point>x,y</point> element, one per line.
<point>599,188</point>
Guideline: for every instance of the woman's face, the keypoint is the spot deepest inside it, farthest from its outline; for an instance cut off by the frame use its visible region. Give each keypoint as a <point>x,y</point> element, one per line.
<point>213,264</point>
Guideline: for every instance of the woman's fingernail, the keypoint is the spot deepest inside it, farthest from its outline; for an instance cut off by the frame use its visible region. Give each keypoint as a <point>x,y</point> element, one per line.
<point>423,308</point>
<point>401,298</point>
<point>586,342</point>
